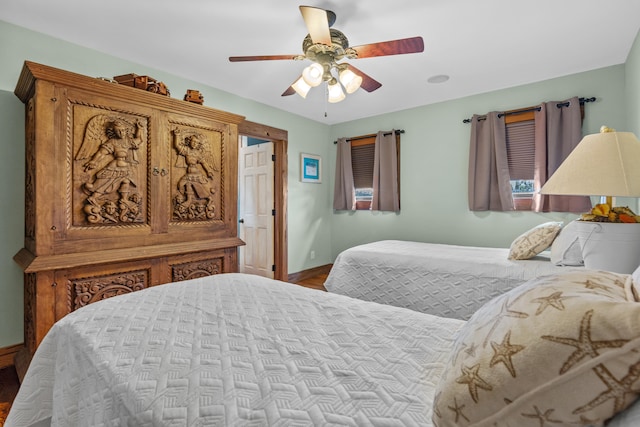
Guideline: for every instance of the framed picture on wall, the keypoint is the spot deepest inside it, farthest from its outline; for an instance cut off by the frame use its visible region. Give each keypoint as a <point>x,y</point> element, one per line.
<point>310,168</point>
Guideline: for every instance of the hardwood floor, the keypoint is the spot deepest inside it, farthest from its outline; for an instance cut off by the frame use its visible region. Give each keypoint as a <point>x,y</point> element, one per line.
<point>315,282</point>
<point>9,379</point>
<point>8,389</point>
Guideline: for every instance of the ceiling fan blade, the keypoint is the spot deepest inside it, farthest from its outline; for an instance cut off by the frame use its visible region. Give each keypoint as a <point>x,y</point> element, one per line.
<point>368,83</point>
<point>392,47</point>
<point>317,23</point>
<point>261,58</point>
<point>290,91</point>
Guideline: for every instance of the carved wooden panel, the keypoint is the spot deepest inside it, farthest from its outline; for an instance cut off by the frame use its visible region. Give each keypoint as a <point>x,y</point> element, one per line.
<point>195,269</point>
<point>110,164</point>
<point>88,290</point>
<point>197,156</point>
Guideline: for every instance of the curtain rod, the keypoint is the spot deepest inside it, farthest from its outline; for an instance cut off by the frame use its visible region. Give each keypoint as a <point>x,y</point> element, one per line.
<point>398,131</point>
<point>526,110</point>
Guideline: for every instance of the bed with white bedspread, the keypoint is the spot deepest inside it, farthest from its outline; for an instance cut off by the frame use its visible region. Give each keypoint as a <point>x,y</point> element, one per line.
<point>241,350</point>
<point>440,279</point>
<point>235,350</point>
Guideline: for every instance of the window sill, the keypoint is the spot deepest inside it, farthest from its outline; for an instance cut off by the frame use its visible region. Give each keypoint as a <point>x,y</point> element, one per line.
<point>363,205</point>
<point>522,204</point>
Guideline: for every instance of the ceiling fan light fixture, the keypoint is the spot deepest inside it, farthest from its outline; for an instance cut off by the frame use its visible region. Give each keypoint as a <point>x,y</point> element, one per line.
<point>301,87</point>
<point>350,80</point>
<point>336,94</point>
<point>312,74</point>
<point>325,47</point>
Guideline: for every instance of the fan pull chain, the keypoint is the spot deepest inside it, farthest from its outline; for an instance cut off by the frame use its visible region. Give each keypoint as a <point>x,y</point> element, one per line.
<point>326,99</point>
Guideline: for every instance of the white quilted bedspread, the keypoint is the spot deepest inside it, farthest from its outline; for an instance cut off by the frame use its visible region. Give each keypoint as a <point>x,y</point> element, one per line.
<point>236,350</point>
<point>444,280</point>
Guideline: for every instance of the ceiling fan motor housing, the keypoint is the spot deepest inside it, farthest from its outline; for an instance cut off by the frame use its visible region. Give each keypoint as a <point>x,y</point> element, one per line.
<point>323,54</point>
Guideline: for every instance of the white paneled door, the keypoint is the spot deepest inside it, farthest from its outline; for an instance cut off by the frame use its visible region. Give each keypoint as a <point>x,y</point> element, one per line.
<point>255,210</point>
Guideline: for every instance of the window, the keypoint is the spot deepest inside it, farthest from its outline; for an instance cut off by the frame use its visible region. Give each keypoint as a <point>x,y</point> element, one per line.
<point>364,194</point>
<point>520,140</point>
<point>362,158</point>
<point>520,154</point>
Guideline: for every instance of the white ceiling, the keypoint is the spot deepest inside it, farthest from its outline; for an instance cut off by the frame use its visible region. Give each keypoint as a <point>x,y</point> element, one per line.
<point>482,45</point>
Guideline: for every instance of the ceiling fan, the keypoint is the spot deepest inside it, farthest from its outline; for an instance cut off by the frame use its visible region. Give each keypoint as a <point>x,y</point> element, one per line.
<point>325,47</point>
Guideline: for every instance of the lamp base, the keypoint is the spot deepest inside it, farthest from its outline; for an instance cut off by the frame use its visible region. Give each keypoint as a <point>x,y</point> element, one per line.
<point>610,246</point>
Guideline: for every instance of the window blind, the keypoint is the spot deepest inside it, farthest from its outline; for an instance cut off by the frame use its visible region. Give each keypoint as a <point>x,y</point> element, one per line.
<point>521,149</point>
<point>362,163</point>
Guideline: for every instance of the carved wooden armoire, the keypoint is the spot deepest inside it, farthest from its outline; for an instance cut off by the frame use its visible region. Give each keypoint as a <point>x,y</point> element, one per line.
<point>124,189</point>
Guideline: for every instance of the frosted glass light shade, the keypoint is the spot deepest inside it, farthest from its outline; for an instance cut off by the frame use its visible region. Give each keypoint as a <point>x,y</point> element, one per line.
<point>312,74</point>
<point>336,94</point>
<point>301,87</point>
<point>350,80</point>
<point>603,164</point>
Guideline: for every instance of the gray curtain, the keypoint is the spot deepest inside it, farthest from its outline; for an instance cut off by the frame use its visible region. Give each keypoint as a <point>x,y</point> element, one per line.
<point>489,186</point>
<point>558,130</point>
<point>386,193</point>
<point>344,194</point>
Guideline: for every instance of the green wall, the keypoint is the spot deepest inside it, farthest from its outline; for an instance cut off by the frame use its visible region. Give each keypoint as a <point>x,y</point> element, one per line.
<point>433,163</point>
<point>12,214</point>
<point>632,88</point>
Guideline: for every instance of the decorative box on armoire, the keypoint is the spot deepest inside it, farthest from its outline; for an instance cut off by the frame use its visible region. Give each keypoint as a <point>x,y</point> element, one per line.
<point>124,189</point>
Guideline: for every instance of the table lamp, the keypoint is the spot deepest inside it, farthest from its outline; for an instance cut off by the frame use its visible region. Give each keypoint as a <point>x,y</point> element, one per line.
<point>604,164</point>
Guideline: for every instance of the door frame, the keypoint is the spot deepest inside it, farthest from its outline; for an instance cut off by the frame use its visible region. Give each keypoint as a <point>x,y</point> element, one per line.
<point>279,137</point>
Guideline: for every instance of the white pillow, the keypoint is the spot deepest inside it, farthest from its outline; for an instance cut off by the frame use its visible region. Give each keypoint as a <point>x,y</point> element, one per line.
<point>635,276</point>
<point>566,249</point>
<point>534,241</point>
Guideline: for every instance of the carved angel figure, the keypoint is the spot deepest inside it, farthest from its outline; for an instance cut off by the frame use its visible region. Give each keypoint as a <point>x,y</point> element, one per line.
<point>111,145</point>
<point>195,191</point>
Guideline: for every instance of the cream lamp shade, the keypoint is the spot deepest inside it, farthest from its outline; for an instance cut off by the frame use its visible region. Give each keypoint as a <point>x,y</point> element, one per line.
<point>602,164</point>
